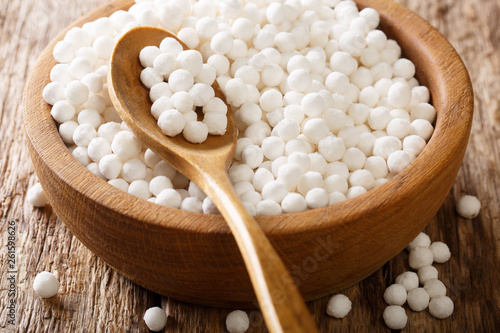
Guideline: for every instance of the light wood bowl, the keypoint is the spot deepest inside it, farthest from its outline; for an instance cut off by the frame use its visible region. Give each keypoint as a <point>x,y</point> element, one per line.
<point>194,258</point>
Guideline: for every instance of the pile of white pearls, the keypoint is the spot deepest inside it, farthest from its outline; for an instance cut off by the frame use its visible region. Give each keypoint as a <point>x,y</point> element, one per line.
<point>188,86</point>
<point>431,294</point>
<point>325,106</point>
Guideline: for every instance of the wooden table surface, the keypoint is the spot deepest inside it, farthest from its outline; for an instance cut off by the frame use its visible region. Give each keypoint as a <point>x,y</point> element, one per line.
<point>94,298</point>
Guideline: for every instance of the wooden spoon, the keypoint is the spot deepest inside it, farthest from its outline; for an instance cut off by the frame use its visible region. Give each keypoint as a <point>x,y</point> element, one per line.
<point>206,164</point>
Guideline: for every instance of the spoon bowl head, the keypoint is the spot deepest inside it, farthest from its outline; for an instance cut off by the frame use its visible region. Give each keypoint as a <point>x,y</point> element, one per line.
<point>132,102</point>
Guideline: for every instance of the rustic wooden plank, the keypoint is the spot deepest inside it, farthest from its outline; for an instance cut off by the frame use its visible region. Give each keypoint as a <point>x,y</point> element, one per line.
<point>94,298</point>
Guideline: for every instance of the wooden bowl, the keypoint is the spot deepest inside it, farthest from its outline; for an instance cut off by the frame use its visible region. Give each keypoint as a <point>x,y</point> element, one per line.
<point>193,257</point>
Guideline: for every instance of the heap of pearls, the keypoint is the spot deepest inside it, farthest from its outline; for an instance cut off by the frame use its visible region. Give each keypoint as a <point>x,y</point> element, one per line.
<point>326,107</point>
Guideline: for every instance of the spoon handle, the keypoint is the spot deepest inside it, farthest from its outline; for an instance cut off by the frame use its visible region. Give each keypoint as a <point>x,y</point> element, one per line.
<point>282,305</point>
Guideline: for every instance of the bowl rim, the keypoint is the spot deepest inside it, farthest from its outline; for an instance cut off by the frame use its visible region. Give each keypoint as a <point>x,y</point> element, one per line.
<point>444,71</point>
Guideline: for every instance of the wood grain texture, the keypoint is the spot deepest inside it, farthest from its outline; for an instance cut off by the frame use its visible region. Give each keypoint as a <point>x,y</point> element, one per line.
<point>206,164</point>
<point>94,298</point>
